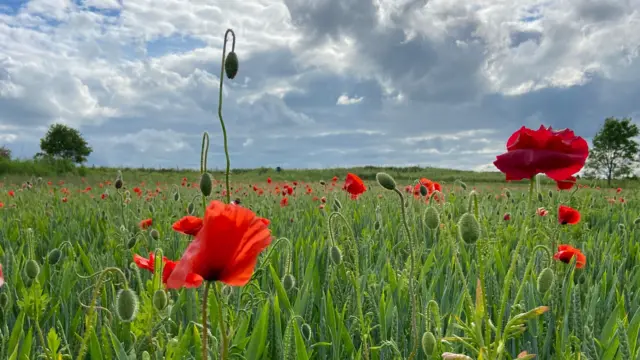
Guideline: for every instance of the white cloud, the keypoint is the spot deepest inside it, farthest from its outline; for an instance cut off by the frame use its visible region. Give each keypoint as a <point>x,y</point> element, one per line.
<point>346,100</point>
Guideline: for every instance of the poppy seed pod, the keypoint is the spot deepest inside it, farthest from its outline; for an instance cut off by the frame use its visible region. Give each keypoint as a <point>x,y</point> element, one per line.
<point>126,305</point>
<point>306,331</point>
<point>205,184</point>
<point>4,300</point>
<point>431,218</point>
<point>54,256</point>
<point>288,282</point>
<point>231,65</point>
<point>469,228</point>
<point>336,255</point>
<point>545,280</point>
<point>32,269</point>
<point>160,300</point>
<point>428,343</point>
<point>386,181</point>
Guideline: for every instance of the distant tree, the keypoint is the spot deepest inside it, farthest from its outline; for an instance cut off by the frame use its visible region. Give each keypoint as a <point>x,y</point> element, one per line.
<point>66,143</point>
<point>5,153</point>
<point>614,149</point>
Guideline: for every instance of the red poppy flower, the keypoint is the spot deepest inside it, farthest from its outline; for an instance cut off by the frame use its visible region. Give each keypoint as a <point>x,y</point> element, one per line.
<point>189,225</point>
<point>506,217</point>
<point>193,280</point>
<point>567,215</point>
<point>619,190</point>
<point>268,180</point>
<point>284,201</point>
<point>144,224</point>
<point>542,211</point>
<point>566,184</point>
<point>566,253</point>
<point>558,154</point>
<point>226,248</point>
<point>354,185</point>
<point>11,193</point>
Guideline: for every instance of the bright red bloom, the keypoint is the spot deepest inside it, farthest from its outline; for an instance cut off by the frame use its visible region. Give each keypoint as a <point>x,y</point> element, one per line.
<point>268,180</point>
<point>226,248</point>
<point>144,224</point>
<point>558,154</point>
<point>193,280</point>
<point>284,201</point>
<point>567,215</point>
<point>189,225</point>
<point>354,185</point>
<point>334,179</point>
<point>566,184</point>
<point>566,253</point>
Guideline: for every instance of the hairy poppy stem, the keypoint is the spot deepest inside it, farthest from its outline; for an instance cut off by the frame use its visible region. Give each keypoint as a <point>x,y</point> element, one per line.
<point>223,330</point>
<point>224,129</point>
<point>205,335</point>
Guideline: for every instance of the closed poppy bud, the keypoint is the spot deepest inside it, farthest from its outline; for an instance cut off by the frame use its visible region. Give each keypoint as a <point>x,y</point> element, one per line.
<point>160,300</point>
<point>507,193</point>
<point>54,256</point>
<point>423,190</point>
<point>155,235</point>
<point>469,228</point>
<point>550,193</point>
<point>231,65</point>
<point>126,305</point>
<point>386,181</point>
<point>32,269</point>
<point>337,205</point>
<point>288,282</point>
<point>621,227</point>
<point>336,255</point>
<point>545,280</point>
<point>205,184</point>
<point>145,355</point>
<point>118,183</point>
<point>131,243</point>
<point>463,185</point>
<point>4,300</point>
<point>322,182</point>
<point>540,198</point>
<point>431,218</point>
<point>190,208</point>
<point>176,196</point>
<point>306,331</point>
<point>376,225</point>
<point>428,343</point>
<point>152,209</point>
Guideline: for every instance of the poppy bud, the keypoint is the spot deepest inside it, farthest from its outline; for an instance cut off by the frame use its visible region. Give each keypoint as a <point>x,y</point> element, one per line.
<point>550,194</point>
<point>545,280</point>
<point>131,243</point>
<point>176,196</point>
<point>145,355</point>
<point>288,281</point>
<point>469,228</point>
<point>4,300</point>
<point>540,198</point>
<point>306,331</point>
<point>621,227</point>
<point>54,256</point>
<point>118,184</point>
<point>160,299</point>
<point>205,184</point>
<point>337,205</point>
<point>231,65</point>
<point>473,201</point>
<point>336,255</point>
<point>463,185</point>
<point>126,305</point>
<point>151,208</point>
<point>507,193</point>
<point>386,181</point>
<point>431,218</point>
<point>428,343</point>
<point>322,182</point>
<point>423,190</point>
<point>376,225</point>
<point>32,269</point>
<point>155,235</point>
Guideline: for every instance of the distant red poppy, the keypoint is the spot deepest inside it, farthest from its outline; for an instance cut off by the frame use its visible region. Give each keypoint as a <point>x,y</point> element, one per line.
<point>566,184</point>
<point>144,224</point>
<point>1,276</point>
<point>11,193</point>
<point>542,211</point>
<point>567,215</point>
<point>334,179</point>
<point>193,280</point>
<point>189,225</point>
<point>284,201</point>
<point>566,253</point>
<point>354,185</point>
<point>618,190</point>
<point>268,180</point>
<point>557,154</point>
<point>506,217</point>
<point>226,249</point>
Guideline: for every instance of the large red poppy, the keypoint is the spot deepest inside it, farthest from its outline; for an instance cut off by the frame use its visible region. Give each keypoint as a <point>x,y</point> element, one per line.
<point>193,280</point>
<point>568,215</point>
<point>566,253</point>
<point>354,185</point>
<point>557,154</point>
<point>566,184</point>
<point>189,225</point>
<point>226,248</point>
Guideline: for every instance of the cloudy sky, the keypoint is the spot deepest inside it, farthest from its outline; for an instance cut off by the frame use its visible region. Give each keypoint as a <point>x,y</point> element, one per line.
<point>322,83</point>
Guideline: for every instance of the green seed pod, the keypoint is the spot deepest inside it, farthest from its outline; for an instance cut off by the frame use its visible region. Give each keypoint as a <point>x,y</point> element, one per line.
<point>190,208</point>
<point>118,184</point>
<point>155,235</point>
<point>131,243</point>
<point>545,280</point>
<point>288,282</point>
<point>32,269</point>
<point>176,196</point>
<point>469,228</point>
<point>145,355</point>
<point>160,300</point>
<point>337,205</point>
<point>428,343</point>
<point>386,181</point>
<point>126,305</point>
<point>336,255</point>
<point>423,190</point>
<point>231,65</point>
<point>205,184</point>
<point>431,218</point>
<point>306,331</point>
<point>4,300</point>
<point>54,256</point>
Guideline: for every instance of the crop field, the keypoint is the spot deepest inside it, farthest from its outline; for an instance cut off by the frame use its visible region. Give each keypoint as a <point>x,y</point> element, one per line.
<point>426,271</point>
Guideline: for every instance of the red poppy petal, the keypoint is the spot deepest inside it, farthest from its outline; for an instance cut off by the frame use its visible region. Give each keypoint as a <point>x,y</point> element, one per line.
<point>256,239</point>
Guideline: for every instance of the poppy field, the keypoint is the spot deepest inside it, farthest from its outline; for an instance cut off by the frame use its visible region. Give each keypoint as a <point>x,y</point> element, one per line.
<point>393,265</point>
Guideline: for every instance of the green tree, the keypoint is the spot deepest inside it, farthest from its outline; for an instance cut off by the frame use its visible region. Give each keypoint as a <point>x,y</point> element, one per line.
<point>614,151</point>
<point>66,143</point>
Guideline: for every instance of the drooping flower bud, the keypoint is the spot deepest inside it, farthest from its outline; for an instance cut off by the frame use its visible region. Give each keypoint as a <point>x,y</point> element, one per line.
<point>431,218</point>
<point>205,184</point>
<point>32,269</point>
<point>132,242</point>
<point>507,193</point>
<point>288,282</point>
<point>540,198</point>
<point>428,343</point>
<point>336,255</point>
<point>550,194</point>
<point>152,209</point>
<point>155,235</point>
<point>545,280</point>
<point>376,225</point>
<point>190,208</point>
<point>54,256</point>
<point>337,205</point>
<point>160,300</point>
<point>386,181</point>
<point>126,305</point>
<point>469,228</point>
<point>463,185</point>
<point>231,65</point>
<point>176,196</point>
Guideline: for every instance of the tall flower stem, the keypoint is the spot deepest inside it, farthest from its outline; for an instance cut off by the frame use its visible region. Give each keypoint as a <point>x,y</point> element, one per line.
<point>223,329</point>
<point>224,129</point>
<point>205,296</point>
